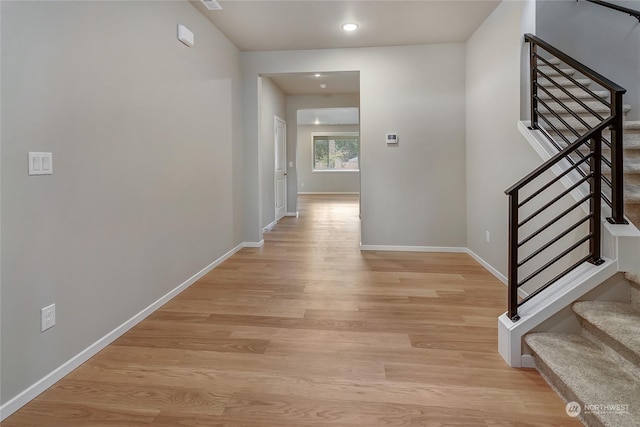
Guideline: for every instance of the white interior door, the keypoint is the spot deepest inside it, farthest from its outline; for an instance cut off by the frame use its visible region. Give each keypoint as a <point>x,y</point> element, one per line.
<point>280,133</point>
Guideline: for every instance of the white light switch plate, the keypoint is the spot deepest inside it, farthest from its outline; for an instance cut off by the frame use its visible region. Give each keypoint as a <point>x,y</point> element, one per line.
<point>40,163</point>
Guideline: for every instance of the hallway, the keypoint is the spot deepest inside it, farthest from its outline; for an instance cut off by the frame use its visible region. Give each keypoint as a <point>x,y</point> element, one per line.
<point>309,331</point>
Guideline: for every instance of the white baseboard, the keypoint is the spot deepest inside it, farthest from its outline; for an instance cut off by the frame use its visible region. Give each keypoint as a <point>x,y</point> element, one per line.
<point>388,248</point>
<point>56,375</point>
<point>449,249</point>
<point>292,214</point>
<point>326,192</point>
<point>488,266</point>
<point>253,244</point>
<point>269,227</point>
<point>527,361</point>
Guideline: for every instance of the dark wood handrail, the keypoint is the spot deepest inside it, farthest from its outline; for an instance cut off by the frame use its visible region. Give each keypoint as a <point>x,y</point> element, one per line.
<point>588,72</point>
<point>623,9</point>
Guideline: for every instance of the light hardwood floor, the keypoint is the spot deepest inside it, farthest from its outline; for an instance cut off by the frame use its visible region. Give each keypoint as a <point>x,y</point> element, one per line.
<point>309,331</point>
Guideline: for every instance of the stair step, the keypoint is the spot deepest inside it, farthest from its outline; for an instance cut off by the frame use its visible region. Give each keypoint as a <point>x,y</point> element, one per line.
<point>631,194</point>
<point>553,73</point>
<point>616,324</point>
<point>596,106</point>
<point>554,61</point>
<point>632,212</point>
<point>573,122</point>
<point>634,279</point>
<point>580,371</point>
<point>564,82</point>
<point>631,137</point>
<point>575,91</point>
<point>632,126</point>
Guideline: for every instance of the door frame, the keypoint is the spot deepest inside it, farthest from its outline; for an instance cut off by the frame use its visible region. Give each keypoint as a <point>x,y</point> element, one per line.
<point>278,121</point>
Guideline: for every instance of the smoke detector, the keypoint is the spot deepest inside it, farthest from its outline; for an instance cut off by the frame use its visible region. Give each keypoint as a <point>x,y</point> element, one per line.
<point>211,4</point>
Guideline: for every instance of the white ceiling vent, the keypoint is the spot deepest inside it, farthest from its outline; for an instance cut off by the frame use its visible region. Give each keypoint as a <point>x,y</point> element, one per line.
<point>211,4</point>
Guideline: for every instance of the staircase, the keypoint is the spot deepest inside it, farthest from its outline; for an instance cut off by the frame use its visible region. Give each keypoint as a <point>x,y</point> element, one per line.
<point>600,368</point>
<point>631,130</point>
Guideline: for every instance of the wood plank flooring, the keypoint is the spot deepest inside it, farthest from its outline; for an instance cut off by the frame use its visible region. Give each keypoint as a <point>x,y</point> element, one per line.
<point>309,331</point>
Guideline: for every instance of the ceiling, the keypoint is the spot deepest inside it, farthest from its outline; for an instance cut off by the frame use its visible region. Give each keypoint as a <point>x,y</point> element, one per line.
<point>315,24</point>
<point>328,116</point>
<point>310,83</point>
<point>261,25</point>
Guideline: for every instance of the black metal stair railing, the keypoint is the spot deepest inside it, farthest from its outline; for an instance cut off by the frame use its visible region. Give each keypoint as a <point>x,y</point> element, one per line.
<point>549,236</point>
<point>622,9</point>
<point>562,123</point>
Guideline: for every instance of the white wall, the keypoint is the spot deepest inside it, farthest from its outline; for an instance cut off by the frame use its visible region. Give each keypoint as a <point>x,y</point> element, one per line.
<point>271,105</point>
<point>412,194</point>
<point>146,141</point>
<point>497,154</point>
<point>298,102</point>
<point>322,182</point>
<point>606,40</point>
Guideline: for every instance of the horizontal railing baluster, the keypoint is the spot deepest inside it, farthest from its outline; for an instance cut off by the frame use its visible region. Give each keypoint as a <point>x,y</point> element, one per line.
<point>554,240</point>
<point>555,279</point>
<point>553,181</point>
<point>556,259</point>
<point>554,220</point>
<point>554,200</point>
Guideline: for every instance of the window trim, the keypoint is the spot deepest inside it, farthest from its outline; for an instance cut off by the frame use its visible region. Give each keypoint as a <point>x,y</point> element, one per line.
<point>313,153</point>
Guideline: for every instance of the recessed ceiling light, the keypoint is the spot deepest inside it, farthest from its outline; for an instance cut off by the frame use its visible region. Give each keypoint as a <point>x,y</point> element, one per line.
<point>323,86</point>
<point>350,26</point>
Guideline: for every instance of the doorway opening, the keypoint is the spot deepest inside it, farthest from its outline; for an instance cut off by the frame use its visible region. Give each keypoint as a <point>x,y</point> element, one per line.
<point>321,139</point>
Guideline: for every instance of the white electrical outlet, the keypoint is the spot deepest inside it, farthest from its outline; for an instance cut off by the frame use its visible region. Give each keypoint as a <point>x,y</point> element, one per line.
<point>487,236</point>
<point>48,317</point>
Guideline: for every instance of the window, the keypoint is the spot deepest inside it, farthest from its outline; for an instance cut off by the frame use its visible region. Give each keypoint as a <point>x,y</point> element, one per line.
<point>338,151</point>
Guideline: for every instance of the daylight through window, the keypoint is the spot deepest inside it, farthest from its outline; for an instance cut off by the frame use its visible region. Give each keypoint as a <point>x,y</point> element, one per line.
<point>336,152</point>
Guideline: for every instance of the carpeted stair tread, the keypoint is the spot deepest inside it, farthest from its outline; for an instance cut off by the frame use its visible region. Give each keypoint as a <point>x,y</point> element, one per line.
<point>575,91</point>
<point>631,139</point>
<point>632,204</point>
<point>634,279</point>
<point>617,324</point>
<point>582,372</point>
<point>596,106</point>
<point>549,71</point>
<point>630,129</point>
<point>555,61</point>
<point>632,217</point>
<point>632,195</point>
<point>563,81</point>
<point>632,125</point>
<point>570,120</point>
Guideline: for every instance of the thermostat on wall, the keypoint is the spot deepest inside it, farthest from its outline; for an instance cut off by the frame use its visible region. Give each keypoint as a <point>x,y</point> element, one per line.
<point>392,138</point>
